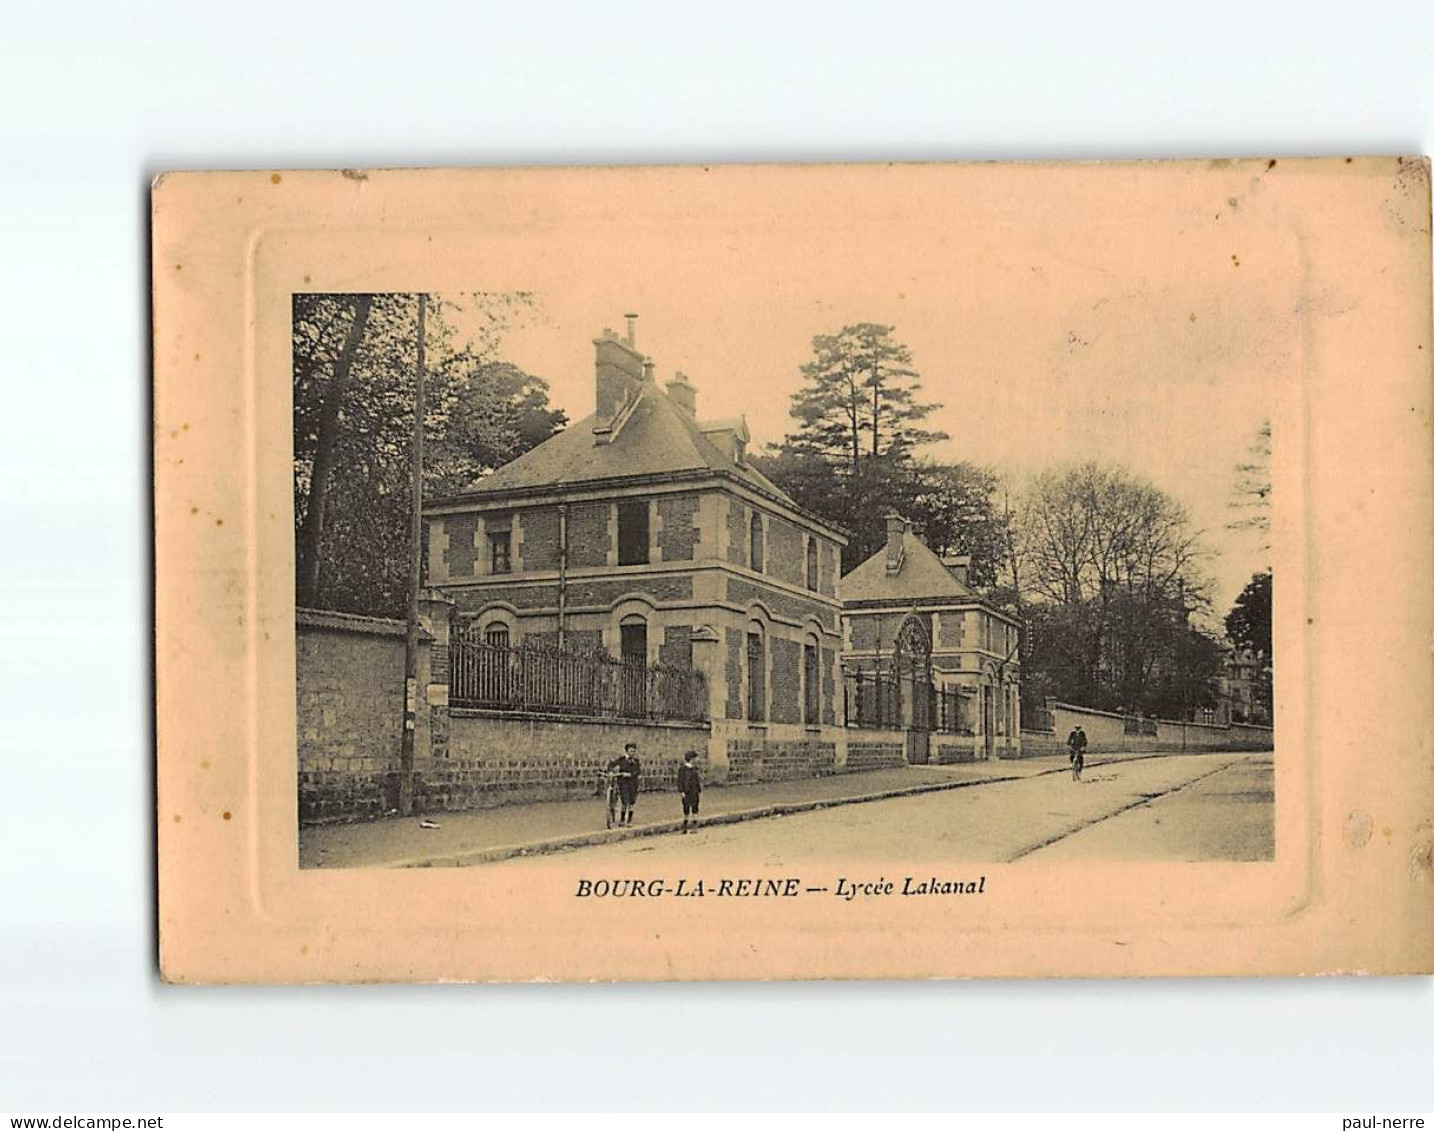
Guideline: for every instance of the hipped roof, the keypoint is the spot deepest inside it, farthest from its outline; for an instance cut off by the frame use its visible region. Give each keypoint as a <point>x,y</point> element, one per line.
<point>656,439</point>
<point>921,577</point>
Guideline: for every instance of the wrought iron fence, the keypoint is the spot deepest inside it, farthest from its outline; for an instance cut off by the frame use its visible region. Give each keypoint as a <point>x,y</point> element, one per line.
<point>876,702</point>
<point>872,701</point>
<point>532,677</point>
<point>952,712</point>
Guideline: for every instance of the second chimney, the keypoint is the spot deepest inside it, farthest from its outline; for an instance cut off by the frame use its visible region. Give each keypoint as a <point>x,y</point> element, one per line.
<point>896,528</point>
<point>683,394</point>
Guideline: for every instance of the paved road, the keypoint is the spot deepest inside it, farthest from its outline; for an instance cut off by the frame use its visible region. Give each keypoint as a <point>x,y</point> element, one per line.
<point>1179,807</point>
<point>1229,815</point>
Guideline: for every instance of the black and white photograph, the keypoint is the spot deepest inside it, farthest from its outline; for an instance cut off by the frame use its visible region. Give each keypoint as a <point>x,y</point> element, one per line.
<point>967,558</point>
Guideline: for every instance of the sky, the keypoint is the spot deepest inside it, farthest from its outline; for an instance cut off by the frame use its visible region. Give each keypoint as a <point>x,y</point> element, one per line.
<point>1138,318</point>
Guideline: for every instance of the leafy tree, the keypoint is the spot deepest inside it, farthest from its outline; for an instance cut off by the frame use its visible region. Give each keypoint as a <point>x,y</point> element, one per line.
<point>355,361</point>
<point>953,504</point>
<point>1249,624</point>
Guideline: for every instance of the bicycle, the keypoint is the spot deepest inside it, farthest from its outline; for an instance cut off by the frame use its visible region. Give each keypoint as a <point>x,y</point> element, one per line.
<point>609,779</point>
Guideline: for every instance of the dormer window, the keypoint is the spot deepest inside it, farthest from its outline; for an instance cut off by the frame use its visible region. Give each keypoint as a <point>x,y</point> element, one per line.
<point>739,450</point>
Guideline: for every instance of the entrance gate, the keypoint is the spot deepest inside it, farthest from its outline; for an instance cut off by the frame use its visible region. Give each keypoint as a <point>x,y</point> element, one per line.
<point>912,668</point>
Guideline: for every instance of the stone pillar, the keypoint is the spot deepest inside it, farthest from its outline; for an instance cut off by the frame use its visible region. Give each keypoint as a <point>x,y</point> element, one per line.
<point>707,658</point>
<point>435,617</point>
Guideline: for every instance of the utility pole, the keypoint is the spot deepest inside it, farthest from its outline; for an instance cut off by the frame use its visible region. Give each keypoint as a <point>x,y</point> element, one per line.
<point>415,574</point>
<point>563,574</point>
<point>1184,667</point>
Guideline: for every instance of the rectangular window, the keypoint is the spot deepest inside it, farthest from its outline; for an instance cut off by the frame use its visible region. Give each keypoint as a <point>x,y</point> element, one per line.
<point>632,521</point>
<point>756,679</point>
<point>812,564</point>
<point>500,558</point>
<point>811,671</point>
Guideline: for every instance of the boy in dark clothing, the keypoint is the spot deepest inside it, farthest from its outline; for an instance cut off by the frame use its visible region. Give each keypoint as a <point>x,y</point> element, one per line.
<point>689,784</point>
<point>1077,743</point>
<point>629,774</point>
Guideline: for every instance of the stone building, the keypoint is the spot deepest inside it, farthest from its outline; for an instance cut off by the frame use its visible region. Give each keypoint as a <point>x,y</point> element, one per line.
<point>1243,688</point>
<point>911,617</point>
<point>645,532</point>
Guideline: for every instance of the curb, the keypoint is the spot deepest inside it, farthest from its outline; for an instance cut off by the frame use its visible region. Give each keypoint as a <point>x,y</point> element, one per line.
<point>612,836</point>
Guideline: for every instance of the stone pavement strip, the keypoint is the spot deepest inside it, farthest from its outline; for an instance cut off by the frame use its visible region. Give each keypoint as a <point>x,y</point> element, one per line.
<point>484,835</point>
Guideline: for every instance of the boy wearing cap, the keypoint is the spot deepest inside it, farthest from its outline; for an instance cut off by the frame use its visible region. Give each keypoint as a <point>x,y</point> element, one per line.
<point>689,784</point>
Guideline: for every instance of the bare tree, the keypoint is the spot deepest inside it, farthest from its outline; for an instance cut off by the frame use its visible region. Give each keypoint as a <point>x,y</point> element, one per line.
<point>1112,562</point>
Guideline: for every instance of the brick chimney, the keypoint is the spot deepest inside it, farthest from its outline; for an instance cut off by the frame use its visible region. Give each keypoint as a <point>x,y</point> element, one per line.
<point>896,531</point>
<point>958,566</point>
<point>619,377</point>
<point>683,394</point>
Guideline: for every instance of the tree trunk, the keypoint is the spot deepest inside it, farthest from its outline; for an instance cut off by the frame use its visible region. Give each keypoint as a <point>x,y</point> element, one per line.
<point>312,533</point>
<point>875,408</point>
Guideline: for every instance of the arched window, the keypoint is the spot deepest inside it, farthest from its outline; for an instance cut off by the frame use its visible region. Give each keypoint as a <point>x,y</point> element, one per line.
<point>811,681</point>
<point>756,674</point>
<point>632,674</point>
<point>812,564</point>
<point>481,665</point>
<point>754,541</point>
<point>632,634</point>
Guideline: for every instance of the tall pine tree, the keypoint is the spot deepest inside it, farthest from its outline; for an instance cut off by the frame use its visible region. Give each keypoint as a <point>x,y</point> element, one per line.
<point>859,421</point>
<point>860,399</point>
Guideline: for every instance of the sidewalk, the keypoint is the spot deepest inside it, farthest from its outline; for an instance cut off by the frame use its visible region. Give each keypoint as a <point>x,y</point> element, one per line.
<point>482,835</point>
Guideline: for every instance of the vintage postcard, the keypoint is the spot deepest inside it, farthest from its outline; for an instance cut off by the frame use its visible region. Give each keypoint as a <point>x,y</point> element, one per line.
<point>875,571</point>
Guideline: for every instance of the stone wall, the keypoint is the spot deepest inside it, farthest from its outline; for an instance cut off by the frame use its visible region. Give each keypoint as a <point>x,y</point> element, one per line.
<point>948,750</point>
<point>1040,744</point>
<point>349,696</point>
<point>498,758</point>
<point>758,759</point>
<point>1106,732</point>
<point>875,750</point>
